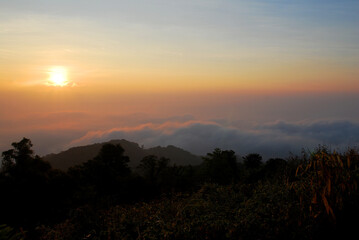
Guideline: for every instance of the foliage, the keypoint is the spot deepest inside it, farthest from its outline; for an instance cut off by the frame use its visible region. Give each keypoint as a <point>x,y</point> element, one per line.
<point>154,169</point>
<point>325,181</point>
<point>252,161</point>
<point>8,233</point>
<point>220,166</point>
<point>182,216</point>
<point>20,160</point>
<point>276,169</point>
<point>312,196</point>
<point>24,182</point>
<point>252,164</point>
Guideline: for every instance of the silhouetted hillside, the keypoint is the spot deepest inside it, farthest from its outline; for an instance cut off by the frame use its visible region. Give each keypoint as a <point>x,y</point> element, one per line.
<point>221,198</point>
<point>78,155</point>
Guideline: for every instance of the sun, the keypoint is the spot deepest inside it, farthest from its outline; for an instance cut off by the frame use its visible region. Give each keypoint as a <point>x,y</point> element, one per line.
<point>57,77</point>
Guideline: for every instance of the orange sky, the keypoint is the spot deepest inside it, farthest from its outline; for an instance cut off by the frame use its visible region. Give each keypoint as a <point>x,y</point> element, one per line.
<point>243,62</point>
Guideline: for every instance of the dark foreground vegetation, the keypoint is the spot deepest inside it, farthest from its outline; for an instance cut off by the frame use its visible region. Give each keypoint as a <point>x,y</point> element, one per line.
<point>313,196</point>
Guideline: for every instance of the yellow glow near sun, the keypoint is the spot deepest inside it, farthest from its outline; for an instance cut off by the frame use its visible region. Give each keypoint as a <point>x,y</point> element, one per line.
<point>58,77</point>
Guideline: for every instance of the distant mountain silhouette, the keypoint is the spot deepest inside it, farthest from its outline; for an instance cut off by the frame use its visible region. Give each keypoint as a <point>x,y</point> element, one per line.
<point>79,155</point>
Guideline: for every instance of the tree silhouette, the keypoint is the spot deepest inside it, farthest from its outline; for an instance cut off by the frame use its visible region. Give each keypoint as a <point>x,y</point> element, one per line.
<point>221,166</point>
<point>112,156</point>
<point>152,167</point>
<point>25,185</point>
<point>106,171</point>
<point>252,167</point>
<point>20,160</point>
<point>252,160</point>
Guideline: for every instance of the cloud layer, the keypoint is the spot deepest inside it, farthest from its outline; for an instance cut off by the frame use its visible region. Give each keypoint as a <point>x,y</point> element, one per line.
<point>51,133</point>
<point>271,140</point>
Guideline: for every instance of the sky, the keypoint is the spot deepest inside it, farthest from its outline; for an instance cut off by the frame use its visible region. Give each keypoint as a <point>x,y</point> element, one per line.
<point>265,76</point>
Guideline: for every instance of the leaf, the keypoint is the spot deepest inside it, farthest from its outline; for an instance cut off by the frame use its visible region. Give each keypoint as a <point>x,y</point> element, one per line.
<point>296,172</point>
<point>329,186</point>
<point>340,161</point>
<point>328,209</point>
<point>314,200</point>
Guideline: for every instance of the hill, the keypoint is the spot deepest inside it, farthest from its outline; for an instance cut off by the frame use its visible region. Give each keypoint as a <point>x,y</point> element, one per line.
<point>78,155</point>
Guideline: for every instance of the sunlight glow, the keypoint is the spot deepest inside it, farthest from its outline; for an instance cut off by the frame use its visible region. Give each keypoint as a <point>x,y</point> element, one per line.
<point>58,77</point>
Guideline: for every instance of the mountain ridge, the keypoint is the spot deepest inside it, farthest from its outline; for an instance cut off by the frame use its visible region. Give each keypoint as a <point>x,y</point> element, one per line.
<point>80,154</point>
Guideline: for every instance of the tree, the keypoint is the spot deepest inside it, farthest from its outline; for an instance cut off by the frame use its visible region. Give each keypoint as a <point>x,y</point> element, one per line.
<point>112,156</point>
<point>21,160</point>
<point>221,166</point>
<point>252,161</point>
<point>152,167</point>
<point>24,183</point>
<point>252,167</point>
<point>106,171</point>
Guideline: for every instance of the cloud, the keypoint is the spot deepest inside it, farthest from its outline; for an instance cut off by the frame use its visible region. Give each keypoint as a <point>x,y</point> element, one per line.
<point>327,132</point>
<point>271,140</point>
<point>51,132</point>
<point>57,131</point>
